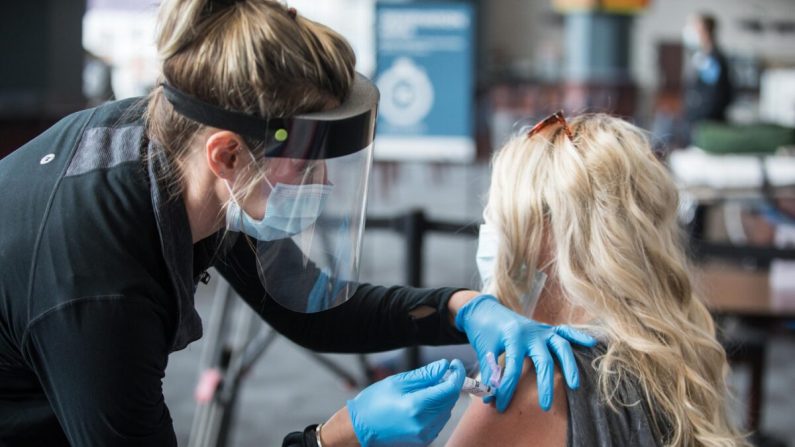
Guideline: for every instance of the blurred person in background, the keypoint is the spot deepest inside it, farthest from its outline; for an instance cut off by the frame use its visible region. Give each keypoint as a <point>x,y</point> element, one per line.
<point>708,86</point>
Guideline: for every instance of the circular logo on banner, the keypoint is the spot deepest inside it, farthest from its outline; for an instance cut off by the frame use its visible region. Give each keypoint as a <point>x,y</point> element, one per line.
<point>406,93</point>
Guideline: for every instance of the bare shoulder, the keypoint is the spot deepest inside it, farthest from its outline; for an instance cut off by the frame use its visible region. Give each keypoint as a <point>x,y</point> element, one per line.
<point>523,423</point>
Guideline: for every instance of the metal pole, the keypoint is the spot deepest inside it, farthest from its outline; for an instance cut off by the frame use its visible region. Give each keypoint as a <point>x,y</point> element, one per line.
<point>211,356</point>
<point>414,226</point>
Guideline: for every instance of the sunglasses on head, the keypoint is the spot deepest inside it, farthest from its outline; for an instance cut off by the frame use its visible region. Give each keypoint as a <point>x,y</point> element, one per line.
<point>556,117</point>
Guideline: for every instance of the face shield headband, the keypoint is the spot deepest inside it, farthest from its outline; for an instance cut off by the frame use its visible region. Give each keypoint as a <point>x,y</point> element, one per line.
<point>316,136</point>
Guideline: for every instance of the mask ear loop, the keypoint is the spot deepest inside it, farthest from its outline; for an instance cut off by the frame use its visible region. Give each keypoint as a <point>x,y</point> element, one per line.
<point>254,160</point>
<point>233,207</point>
<point>232,197</point>
<point>231,193</point>
<point>229,188</point>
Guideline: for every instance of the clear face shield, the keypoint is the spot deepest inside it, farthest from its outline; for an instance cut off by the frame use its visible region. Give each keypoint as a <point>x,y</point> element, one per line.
<point>307,222</point>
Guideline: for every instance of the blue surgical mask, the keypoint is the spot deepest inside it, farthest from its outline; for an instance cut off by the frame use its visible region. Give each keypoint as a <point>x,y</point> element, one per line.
<point>486,257</point>
<point>290,210</point>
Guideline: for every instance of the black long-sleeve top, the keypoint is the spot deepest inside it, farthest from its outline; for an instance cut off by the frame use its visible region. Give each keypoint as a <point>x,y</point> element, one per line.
<point>97,276</point>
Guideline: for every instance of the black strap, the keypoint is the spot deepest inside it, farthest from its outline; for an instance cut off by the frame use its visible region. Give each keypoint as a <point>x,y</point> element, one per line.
<point>211,115</point>
<point>336,133</point>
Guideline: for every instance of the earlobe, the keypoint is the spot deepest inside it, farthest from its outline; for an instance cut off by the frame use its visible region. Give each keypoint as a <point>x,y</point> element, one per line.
<point>223,149</point>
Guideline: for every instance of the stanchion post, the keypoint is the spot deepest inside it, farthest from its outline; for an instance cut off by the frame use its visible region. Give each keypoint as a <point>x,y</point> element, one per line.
<point>414,226</point>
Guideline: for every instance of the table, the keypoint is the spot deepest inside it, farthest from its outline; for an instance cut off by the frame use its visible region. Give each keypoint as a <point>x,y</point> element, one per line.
<point>733,290</point>
<point>730,290</point>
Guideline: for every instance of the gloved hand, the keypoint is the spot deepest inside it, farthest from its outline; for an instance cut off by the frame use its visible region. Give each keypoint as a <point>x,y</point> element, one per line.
<point>492,327</point>
<point>409,408</point>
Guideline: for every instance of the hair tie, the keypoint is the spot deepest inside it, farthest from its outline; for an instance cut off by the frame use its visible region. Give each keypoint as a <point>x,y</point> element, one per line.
<point>292,13</point>
<point>226,2</point>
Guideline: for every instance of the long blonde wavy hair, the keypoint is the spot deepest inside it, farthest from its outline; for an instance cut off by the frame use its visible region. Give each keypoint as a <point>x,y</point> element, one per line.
<point>604,208</point>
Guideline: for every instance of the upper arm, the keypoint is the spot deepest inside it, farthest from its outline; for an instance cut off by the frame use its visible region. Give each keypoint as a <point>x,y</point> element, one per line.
<point>101,362</point>
<point>523,423</point>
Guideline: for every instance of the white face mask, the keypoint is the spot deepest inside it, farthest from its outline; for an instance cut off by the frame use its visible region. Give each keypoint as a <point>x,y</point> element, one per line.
<point>290,210</point>
<point>690,38</point>
<point>488,244</point>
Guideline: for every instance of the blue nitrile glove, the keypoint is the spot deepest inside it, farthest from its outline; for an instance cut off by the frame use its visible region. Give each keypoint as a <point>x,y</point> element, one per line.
<point>409,408</point>
<point>492,327</point>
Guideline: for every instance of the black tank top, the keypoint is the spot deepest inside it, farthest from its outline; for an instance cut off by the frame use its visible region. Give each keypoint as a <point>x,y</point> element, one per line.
<point>592,423</point>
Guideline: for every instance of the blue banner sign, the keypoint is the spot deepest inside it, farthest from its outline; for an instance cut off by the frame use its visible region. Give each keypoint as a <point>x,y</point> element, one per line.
<point>424,70</point>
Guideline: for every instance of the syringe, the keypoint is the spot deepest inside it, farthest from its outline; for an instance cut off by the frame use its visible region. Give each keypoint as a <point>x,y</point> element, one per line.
<point>473,386</point>
<point>478,388</point>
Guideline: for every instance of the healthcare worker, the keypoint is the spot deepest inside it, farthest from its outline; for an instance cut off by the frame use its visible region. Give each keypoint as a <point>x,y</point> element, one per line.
<point>251,156</point>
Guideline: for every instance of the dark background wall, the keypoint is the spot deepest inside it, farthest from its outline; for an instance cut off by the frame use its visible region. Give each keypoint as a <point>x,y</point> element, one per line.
<point>41,64</point>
